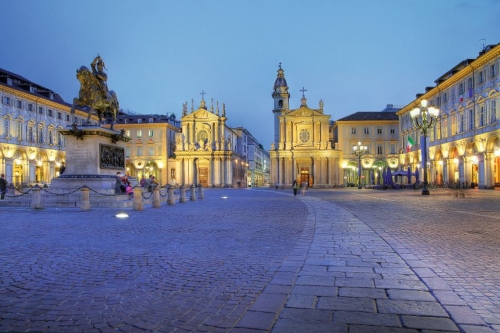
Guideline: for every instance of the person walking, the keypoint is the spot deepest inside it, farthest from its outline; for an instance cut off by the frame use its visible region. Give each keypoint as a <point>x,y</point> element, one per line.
<point>295,187</point>
<point>62,168</point>
<point>3,186</point>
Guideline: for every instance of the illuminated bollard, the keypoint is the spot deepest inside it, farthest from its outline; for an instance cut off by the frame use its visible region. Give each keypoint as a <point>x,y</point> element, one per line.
<point>200,192</point>
<point>156,197</point>
<point>171,196</point>
<point>137,205</point>
<point>192,196</point>
<point>36,200</point>
<point>85,199</point>
<point>182,197</point>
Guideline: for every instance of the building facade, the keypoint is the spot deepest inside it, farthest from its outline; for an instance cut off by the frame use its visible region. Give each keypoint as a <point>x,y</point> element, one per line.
<point>379,131</point>
<point>31,148</point>
<point>208,152</point>
<point>464,145</point>
<point>151,150</point>
<point>302,149</point>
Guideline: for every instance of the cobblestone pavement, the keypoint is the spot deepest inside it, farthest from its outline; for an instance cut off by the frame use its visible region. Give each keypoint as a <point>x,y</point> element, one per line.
<point>450,240</point>
<point>343,260</point>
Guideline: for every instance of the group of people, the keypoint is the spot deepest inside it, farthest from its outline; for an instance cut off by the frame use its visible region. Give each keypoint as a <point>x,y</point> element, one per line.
<point>296,187</point>
<point>149,184</point>
<point>122,185</point>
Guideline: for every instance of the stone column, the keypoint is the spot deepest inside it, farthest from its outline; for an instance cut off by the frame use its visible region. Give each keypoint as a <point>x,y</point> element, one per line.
<point>481,170</point>
<point>461,171</point>
<point>489,170</point>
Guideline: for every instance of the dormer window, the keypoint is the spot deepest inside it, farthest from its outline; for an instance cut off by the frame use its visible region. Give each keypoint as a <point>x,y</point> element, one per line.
<point>139,120</point>
<point>150,120</point>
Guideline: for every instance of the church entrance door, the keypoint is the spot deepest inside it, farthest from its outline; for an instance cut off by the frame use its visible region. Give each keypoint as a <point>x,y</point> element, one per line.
<point>204,176</point>
<point>304,176</point>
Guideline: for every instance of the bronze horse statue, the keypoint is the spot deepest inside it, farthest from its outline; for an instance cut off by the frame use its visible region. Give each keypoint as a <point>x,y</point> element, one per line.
<point>94,96</point>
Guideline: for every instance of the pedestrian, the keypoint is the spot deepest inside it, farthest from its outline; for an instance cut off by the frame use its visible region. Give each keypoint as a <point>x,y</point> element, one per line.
<point>143,181</point>
<point>3,186</point>
<point>295,187</point>
<point>62,168</point>
<point>119,186</point>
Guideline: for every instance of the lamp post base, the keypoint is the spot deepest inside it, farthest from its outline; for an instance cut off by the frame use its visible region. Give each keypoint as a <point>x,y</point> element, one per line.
<point>359,187</point>
<point>425,191</point>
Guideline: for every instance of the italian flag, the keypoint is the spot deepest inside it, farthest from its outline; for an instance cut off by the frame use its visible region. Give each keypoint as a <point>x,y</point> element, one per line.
<point>410,144</point>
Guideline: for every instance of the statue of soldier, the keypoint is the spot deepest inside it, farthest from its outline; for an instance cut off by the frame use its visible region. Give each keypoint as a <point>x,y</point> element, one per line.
<point>98,67</point>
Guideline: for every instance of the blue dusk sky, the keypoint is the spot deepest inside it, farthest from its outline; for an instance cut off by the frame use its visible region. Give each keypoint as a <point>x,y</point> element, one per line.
<point>356,55</point>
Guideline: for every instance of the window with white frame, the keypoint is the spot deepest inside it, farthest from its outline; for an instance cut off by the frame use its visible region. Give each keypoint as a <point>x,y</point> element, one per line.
<point>461,89</point>
<point>493,70</point>
<point>6,100</point>
<point>482,115</point>
<point>353,130</point>
<point>481,77</point>
<point>462,122</point>
<point>30,107</point>
<point>127,152</point>
<point>151,150</point>
<point>40,110</point>
<point>6,123</point>
<point>49,113</point>
<point>139,134</point>
<point>40,135</point>
<point>30,134</point>
<point>150,133</point>
<point>393,131</point>
<point>139,151</point>
<point>51,138</point>
<point>59,115</point>
<point>379,131</point>
<point>445,98</point>
<point>19,104</point>
<point>367,130</point>
<point>379,150</point>
<point>393,148</point>
<point>471,119</point>
<point>19,130</point>
<point>493,110</point>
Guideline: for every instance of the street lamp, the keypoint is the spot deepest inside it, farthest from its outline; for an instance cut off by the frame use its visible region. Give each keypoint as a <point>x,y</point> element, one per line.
<point>424,118</point>
<point>359,150</point>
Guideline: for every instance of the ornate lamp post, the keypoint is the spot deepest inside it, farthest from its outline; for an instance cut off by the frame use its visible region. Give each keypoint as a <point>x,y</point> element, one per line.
<point>359,150</point>
<point>424,118</point>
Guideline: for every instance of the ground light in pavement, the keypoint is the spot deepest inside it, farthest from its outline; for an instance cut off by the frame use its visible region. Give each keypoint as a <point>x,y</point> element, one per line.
<point>121,215</point>
<point>224,197</point>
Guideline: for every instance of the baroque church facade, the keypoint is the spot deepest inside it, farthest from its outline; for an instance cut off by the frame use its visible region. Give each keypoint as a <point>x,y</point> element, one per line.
<point>302,149</point>
<point>207,151</point>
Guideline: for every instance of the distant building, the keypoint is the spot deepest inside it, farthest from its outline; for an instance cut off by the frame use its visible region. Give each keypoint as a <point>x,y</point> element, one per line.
<point>464,146</point>
<point>31,148</point>
<point>379,131</point>
<point>151,150</point>
<point>302,149</point>
<point>257,158</point>
<point>210,153</point>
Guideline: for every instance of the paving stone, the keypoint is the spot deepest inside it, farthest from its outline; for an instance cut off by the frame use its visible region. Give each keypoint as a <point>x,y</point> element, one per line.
<point>464,315</point>
<point>362,292</point>
<point>431,323</point>
<point>346,304</point>
<point>410,295</point>
<point>373,319</point>
<point>411,307</point>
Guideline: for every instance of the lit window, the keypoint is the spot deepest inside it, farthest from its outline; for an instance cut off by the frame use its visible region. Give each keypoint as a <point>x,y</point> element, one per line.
<point>139,151</point>
<point>139,133</point>
<point>150,133</point>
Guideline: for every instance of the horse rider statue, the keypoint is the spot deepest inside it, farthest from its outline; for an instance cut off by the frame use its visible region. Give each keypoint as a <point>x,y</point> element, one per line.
<point>98,67</point>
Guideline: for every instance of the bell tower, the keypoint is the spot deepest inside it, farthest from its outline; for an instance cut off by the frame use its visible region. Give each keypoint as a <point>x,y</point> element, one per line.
<point>281,97</point>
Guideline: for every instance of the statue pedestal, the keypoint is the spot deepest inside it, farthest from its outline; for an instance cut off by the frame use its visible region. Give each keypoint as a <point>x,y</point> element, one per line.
<point>93,157</point>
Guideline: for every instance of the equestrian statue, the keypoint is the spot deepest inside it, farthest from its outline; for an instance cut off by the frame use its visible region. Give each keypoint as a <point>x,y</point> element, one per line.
<point>94,92</point>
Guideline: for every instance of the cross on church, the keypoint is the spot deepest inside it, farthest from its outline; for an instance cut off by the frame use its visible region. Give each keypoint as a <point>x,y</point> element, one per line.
<point>202,95</point>
<point>303,91</point>
<point>280,65</point>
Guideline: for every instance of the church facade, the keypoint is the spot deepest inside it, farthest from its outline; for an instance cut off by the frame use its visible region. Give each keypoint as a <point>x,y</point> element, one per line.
<point>302,148</point>
<point>208,151</point>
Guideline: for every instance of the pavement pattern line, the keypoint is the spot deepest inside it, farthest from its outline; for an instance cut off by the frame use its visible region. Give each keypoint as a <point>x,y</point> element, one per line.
<point>350,279</point>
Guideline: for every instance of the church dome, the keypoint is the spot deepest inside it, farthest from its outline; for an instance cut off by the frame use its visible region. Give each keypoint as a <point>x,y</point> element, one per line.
<point>280,80</point>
